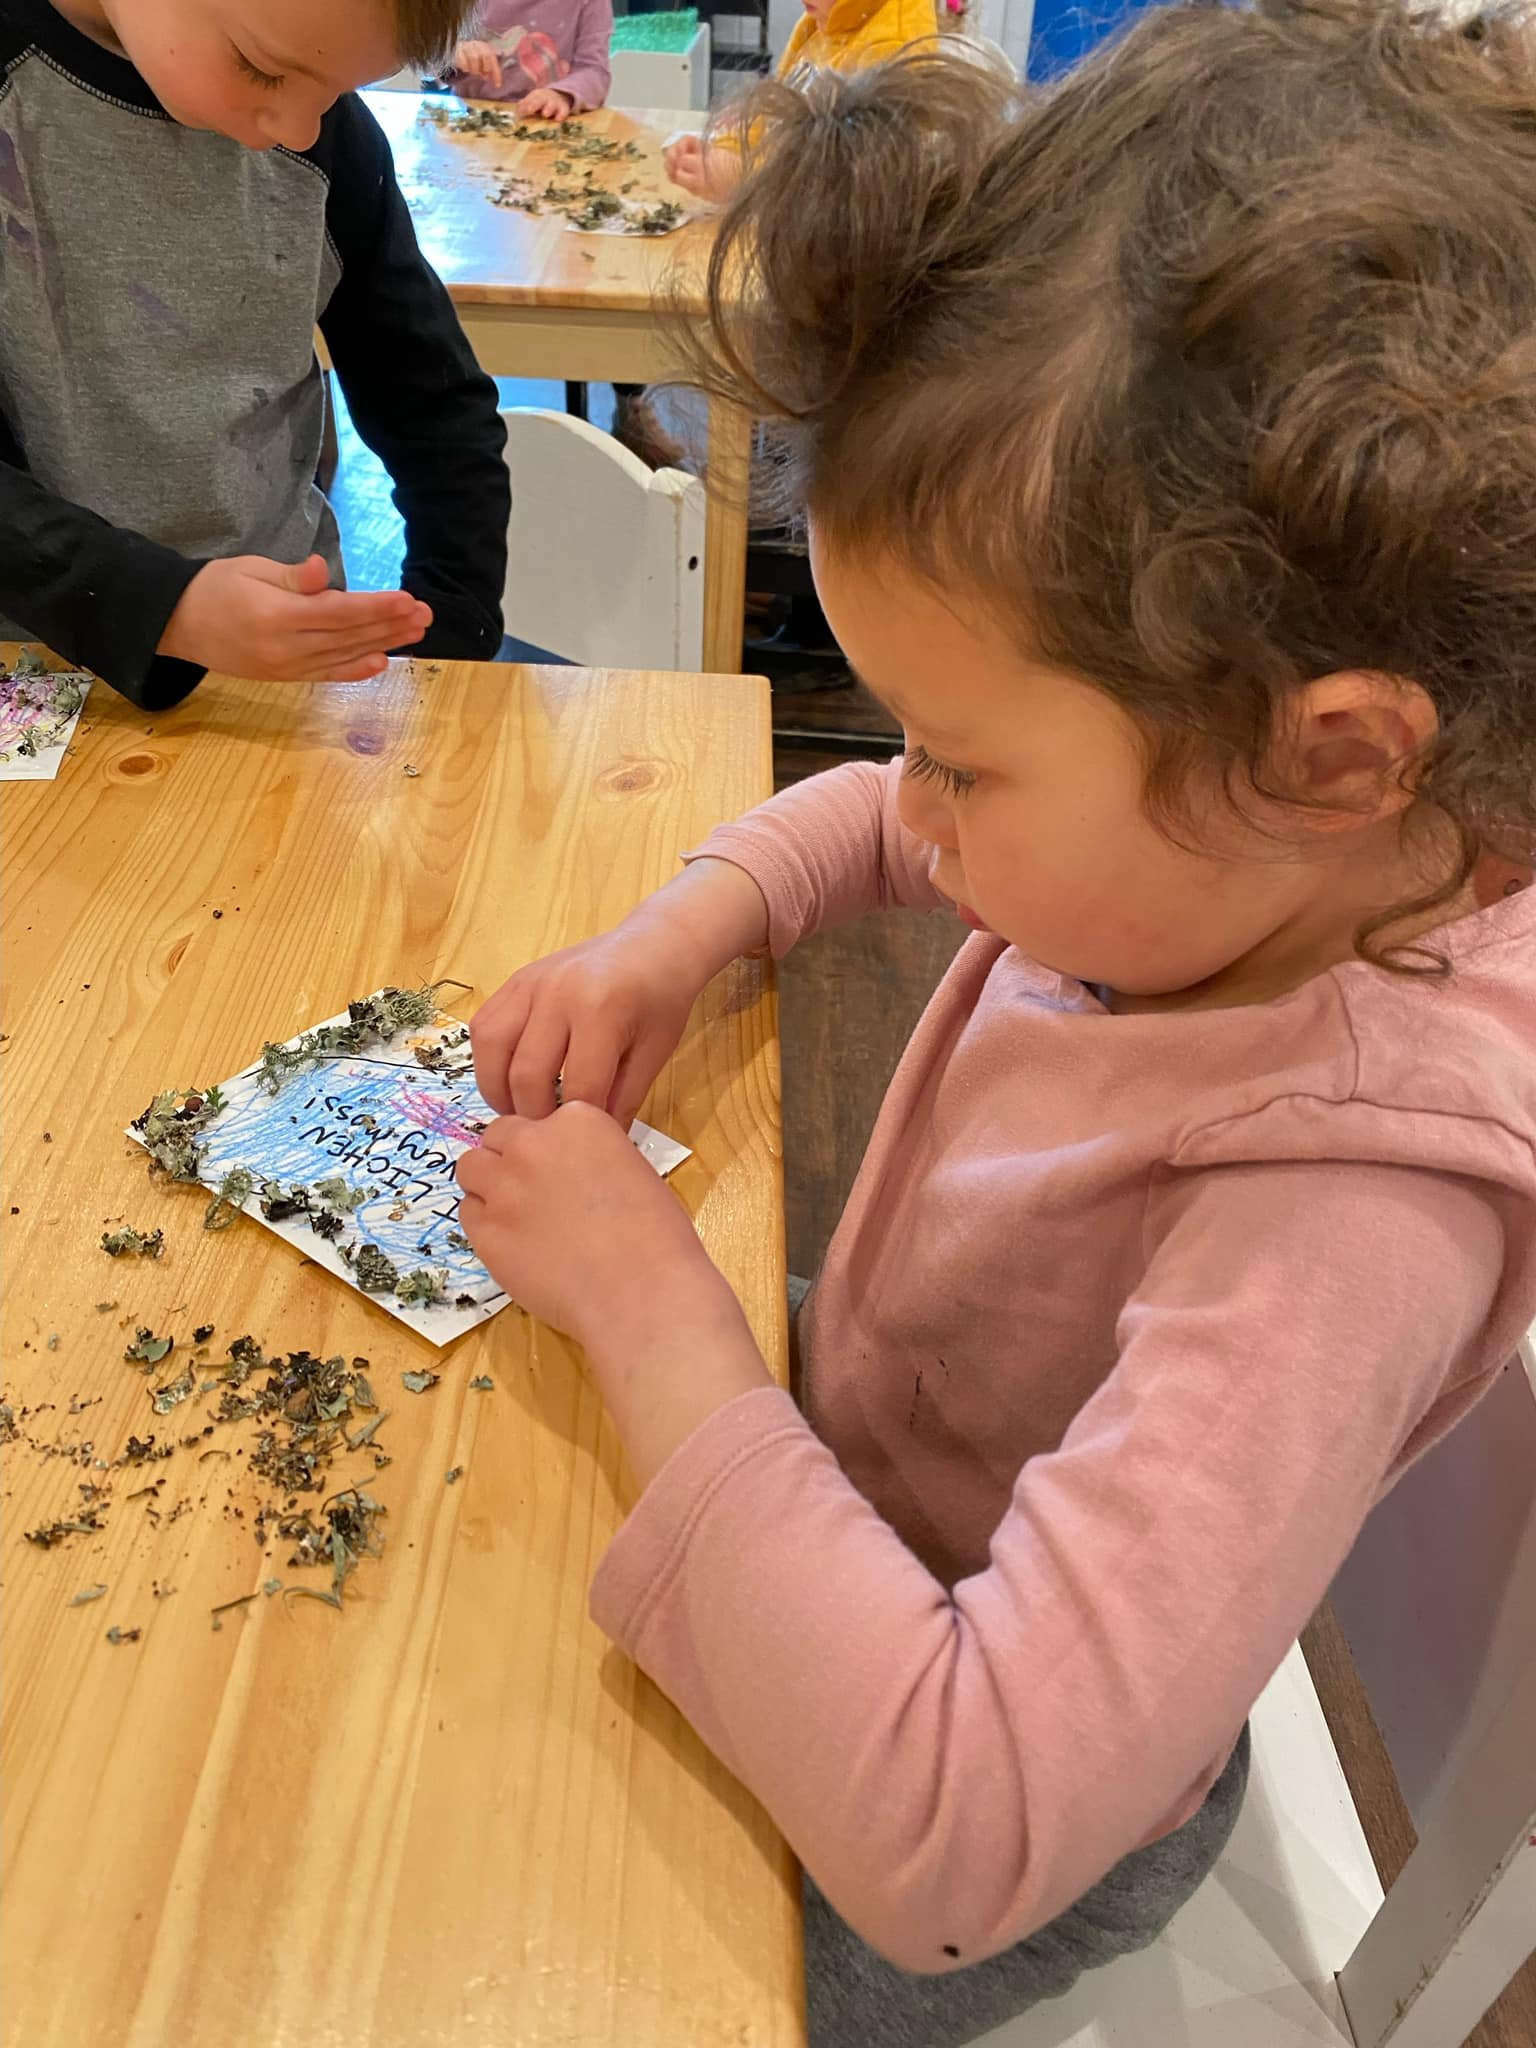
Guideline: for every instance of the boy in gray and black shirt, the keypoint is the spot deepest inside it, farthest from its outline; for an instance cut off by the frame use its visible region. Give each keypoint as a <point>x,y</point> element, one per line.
<point>187,187</point>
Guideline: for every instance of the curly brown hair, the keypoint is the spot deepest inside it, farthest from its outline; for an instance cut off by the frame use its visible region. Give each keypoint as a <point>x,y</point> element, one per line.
<point>1211,368</point>
<point>426,30</point>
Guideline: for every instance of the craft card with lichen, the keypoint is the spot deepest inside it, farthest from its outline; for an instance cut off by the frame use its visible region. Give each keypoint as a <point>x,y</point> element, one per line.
<point>344,1139</point>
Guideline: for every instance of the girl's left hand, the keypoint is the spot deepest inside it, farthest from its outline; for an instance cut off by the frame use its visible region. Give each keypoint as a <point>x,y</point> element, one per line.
<point>577,1227</point>
<point>545,104</point>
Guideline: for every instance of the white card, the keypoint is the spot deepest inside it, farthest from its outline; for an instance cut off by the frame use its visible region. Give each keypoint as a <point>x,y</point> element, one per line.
<point>28,719</point>
<point>379,1120</point>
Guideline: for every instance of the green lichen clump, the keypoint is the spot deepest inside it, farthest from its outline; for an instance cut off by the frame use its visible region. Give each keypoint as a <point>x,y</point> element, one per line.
<point>374,1021</point>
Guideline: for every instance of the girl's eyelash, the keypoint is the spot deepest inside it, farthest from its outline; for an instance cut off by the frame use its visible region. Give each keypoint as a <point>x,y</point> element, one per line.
<point>922,767</point>
<point>248,70</point>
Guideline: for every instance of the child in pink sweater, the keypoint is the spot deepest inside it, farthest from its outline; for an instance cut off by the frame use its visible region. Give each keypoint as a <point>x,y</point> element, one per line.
<point>549,56</point>
<point>1169,452</point>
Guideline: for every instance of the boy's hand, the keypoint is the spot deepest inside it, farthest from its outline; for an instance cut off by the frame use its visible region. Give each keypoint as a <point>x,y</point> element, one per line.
<point>283,624</point>
<point>478,60</point>
<point>705,169</point>
<point>606,1014</point>
<point>545,103</point>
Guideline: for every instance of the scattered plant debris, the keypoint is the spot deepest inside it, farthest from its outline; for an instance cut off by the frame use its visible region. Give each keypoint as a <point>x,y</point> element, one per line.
<point>173,1393</point>
<point>202,1333</point>
<point>375,1273</point>
<point>115,1243</point>
<point>124,1635</point>
<point>455,1473</point>
<point>373,1020</point>
<point>225,1607</point>
<point>235,1190</point>
<point>425,1285</point>
<point>482,1383</point>
<point>87,1523</point>
<point>87,1594</point>
<point>419,1382</point>
<point>147,1349</point>
<point>172,1128</point>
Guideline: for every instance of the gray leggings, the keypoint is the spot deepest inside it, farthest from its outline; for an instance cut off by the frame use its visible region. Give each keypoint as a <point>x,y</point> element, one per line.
<point>855,1999</point>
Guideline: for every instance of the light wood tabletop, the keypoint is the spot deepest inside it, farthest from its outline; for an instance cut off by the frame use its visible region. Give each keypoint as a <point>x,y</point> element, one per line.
<point>450,1813</point>
<point>538,300</point>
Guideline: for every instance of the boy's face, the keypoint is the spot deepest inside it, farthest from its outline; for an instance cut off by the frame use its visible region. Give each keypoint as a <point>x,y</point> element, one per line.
<point>263,72</point>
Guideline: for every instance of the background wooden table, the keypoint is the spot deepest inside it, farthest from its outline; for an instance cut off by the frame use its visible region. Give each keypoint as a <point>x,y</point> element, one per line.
<point>451,1813</point>
<point>539,301</point>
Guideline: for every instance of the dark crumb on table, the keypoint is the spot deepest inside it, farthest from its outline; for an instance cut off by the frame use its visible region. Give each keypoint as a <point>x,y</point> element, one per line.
<point>950,1949</point>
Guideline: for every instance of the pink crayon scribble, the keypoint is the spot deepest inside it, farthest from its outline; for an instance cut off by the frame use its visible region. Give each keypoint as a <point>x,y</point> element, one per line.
<point>430,1114</point>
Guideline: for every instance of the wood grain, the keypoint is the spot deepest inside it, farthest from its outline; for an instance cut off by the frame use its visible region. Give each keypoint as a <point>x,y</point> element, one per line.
<point>451,1813</point>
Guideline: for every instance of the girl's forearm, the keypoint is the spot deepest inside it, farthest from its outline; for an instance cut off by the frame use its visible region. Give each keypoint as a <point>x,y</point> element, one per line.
<point>713,910</point>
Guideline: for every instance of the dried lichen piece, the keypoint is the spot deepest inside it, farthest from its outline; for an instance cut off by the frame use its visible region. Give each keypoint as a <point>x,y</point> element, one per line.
<point>428,1284</point>
<point>117,1243</point>
<point>419,1382</point>
<point>374,1272</point>
<point>235,1190</point>
<point>147,1349</point>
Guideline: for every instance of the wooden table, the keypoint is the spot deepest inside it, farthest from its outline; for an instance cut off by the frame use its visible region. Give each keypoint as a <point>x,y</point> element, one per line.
<point>538,301</point>
<point>450,1813</point>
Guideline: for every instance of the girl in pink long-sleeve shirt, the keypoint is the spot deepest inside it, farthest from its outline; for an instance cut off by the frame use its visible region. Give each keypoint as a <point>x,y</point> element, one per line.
<point>549,56</point>
<point>1169,447</point>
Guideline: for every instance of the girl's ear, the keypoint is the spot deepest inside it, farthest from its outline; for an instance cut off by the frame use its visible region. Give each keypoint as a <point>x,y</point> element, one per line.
<point>1355,740</point>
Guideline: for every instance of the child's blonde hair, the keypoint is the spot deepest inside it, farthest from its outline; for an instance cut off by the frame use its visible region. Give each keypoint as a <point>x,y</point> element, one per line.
<point>426,30</point>
<point>1212,368</point>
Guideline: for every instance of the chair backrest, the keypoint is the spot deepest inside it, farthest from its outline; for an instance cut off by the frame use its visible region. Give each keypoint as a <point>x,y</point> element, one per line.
<point>1438,1602</point>
<point>605,558</point>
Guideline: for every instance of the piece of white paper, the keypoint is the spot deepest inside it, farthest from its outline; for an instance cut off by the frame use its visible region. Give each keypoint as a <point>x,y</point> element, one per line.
<point>382,1121</point>
<point>27,718</point>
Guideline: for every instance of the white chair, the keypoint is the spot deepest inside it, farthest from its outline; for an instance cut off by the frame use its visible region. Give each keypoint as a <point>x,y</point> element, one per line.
<point>605,558</point>
<point>1291,1943</point>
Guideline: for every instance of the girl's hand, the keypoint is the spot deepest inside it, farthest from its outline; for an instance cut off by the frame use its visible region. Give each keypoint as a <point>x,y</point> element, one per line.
<point>580,1232</point>
<point>608,1014</point>
<point>545,103</point>
<point>707,170</point>
<point>478,60</point>
<point>576,1226</point>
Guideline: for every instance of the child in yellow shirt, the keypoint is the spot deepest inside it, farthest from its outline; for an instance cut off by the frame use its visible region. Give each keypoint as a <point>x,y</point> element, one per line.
<point>832,35</point>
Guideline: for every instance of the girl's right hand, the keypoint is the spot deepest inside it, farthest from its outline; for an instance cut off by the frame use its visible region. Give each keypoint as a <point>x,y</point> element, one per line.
<point>706,170</point>
<point>478,60</point>
<point>607,1015</point>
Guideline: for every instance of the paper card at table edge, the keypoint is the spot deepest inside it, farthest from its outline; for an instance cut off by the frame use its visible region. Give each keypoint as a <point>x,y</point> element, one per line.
<point>44,767</point>
<point>438,1325</point>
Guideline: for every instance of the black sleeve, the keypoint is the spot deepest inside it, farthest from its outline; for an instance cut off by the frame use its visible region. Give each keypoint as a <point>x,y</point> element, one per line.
<point>97,594</point>
<point>417,396</point>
